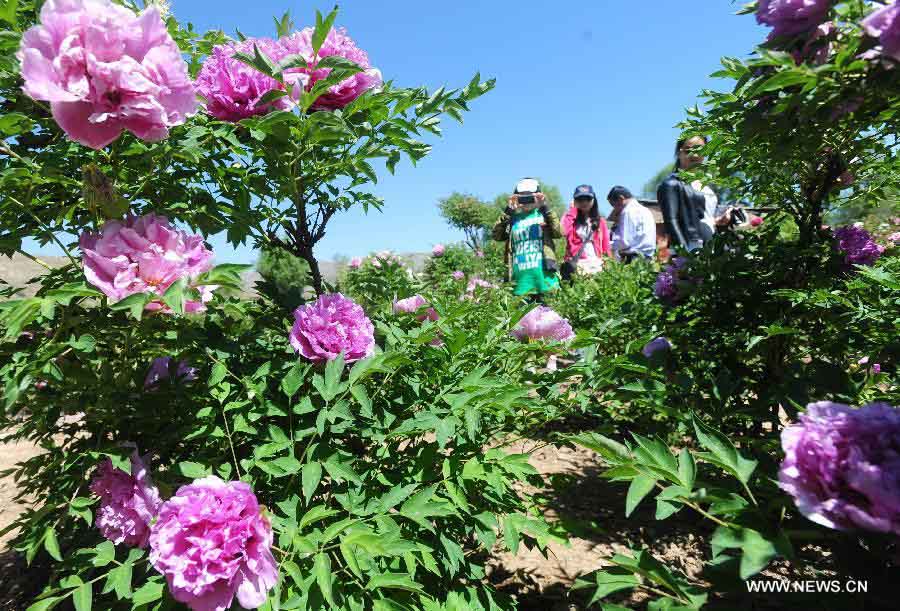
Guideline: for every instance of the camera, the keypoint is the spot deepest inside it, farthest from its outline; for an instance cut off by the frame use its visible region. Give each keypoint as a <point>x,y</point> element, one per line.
<point>526,198</point>
<point>738,217</point>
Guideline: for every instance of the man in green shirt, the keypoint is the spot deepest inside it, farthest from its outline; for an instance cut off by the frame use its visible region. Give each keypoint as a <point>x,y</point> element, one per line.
<point>528,227</point>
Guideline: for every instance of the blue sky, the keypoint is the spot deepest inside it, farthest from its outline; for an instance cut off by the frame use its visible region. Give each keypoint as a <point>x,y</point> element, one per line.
<point>586,91</point>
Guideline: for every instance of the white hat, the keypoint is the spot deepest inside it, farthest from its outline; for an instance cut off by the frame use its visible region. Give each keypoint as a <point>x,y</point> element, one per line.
<point>528,185</point>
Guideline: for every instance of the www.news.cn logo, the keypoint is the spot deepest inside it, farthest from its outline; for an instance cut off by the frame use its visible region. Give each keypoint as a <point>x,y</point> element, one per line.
<point>808,586</point>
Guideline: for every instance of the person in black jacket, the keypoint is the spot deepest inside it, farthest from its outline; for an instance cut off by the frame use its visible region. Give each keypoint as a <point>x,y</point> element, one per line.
<point>689,210</point>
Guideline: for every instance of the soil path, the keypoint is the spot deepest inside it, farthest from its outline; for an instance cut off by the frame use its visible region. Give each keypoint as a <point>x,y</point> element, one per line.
<point>574,497</point>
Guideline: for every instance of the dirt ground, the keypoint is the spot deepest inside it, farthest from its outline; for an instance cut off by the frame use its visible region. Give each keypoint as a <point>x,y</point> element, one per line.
<point>574,497</point>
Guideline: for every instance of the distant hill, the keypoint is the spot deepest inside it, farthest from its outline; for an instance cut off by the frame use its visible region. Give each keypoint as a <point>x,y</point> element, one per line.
<point>18,270</point>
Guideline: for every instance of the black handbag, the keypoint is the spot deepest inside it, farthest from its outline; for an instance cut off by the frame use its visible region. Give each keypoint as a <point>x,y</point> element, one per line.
<point>570,264</point>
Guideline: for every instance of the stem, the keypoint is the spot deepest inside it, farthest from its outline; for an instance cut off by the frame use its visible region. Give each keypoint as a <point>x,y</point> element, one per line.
<point>46,229</point>
<point>35,259</point>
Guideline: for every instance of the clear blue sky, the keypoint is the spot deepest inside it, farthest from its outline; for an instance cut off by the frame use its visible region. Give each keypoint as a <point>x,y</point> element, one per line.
<point>587,91</point>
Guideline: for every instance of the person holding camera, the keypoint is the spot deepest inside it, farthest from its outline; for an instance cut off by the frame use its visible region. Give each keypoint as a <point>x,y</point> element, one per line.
<point>586,233</point>
<point>529,227</point>
<point>635,233</point>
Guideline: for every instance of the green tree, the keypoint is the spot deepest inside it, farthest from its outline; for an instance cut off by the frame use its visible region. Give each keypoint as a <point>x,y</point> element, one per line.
<point>467,213</point>
<point>284,275</point>
<point>649,188</point>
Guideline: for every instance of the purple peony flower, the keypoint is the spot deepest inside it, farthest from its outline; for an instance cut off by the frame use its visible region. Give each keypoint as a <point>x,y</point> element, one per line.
<point>543,323</point>
<point>842,466</point>
<point>356,263</point>
<point>791,17</point>
<point>330,326</point>
<point>128,502</point>
<point>336,43</point>
<point>857,245</point>
<point>233,89</point>
<point>105,69</point>
<point>161,369</point>
<point>212,542</point>
<point>660,344</point>
<point>145,255</point>
<point>458,275</point>
<point>876,368</point>
<point>438,250</point>
<point>884,24</point>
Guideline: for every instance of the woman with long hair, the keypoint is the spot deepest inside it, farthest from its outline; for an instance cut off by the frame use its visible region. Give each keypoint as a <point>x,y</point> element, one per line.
<point>586,233</point>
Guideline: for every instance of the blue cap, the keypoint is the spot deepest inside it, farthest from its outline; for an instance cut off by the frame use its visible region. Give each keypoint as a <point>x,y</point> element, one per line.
<point>584,191</point>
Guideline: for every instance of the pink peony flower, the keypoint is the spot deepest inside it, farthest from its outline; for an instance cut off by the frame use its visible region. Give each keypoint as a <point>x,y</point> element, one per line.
<point>543,323</point>
<point>355,263</point>
<point>438,250</point>
<point>896,220</point>
<point>233,89</point>
<point>479,254</point>
<point>330,326</point>
<point>884,24</point>
<point>336,43</point>
<point>894,237</point>
<point>842,466</point>
<point>212,542</point>
<point>876,368</point>
<point>863,361</point>
<point>791,17</point>
<point>375,262</point>
<point>458,275</point>
<point>104,69</point>
<point>161,369</point>
<point>41,385</point>
<point>756,221</point>
<point>475,283</point>
<point>128,502</point>
<point>144,255</point>
<point>410,305</point>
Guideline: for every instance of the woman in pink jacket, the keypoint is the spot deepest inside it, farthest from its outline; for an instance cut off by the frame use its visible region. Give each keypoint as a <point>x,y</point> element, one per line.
<point>582,220</point>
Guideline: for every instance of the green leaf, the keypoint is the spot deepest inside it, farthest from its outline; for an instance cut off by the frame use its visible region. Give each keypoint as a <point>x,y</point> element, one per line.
<point>687,469</point>
<point>612,451</point>
<point>319,512</point>
<point>219,371</point>
<point>135,304</point>
<point>174,296</point>
<point>396,495</point>
<point>322,571</point>
<point>150,591</point>
<point>311,475</point>
<point>723,451</point>
<point>757,551</point>
<point>420,507</point>
<point>639,488</point>
<point>82,597</point>
<point>45,604</point>
<point>394,581</point>
<point>323,26</point>
<point>51,544</point>
<point>291,382</point>
<point>290,567</point>
<point>342,472</point>
<point>193,470</point>
<point>119,579</point>
<point>8,12</point>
